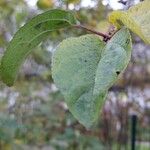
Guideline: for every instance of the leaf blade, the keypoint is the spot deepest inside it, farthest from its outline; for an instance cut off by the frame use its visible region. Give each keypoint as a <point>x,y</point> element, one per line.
<point>72,61</point>
<point>28,37</point>
<point>85,84</point>
<point>137,19</point>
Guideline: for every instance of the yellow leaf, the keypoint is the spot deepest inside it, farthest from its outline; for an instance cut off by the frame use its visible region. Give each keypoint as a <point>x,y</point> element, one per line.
<point>136,18</point>
<point>45,4</point>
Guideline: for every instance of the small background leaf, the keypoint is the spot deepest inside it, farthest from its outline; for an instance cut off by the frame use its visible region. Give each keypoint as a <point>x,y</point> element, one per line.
<point>137,19</point>
<point>103,26</point>
<point>45,4</point>
<point>28,37</point>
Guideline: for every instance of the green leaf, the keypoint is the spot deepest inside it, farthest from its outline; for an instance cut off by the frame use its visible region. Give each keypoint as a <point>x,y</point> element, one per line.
<point>28,37</point>
<point>85,68</point>
<point>137,19</point>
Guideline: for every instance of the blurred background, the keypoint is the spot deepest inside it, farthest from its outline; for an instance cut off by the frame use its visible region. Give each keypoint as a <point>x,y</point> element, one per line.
<point>33,114</point>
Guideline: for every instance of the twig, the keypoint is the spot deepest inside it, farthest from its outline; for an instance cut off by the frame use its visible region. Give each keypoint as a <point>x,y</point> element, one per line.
<point>105,36</point>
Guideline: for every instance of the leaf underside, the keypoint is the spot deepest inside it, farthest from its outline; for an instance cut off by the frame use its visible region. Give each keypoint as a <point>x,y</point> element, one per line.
<point>28,37</point>
<point>85,68</point>
<point>137,19</point>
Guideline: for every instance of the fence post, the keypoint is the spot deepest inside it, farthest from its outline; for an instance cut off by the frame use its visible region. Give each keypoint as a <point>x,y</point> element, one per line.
<point>133,131</point>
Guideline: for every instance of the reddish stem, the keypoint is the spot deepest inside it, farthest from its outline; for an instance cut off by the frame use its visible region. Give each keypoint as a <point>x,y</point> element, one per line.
<point>105,36</point>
